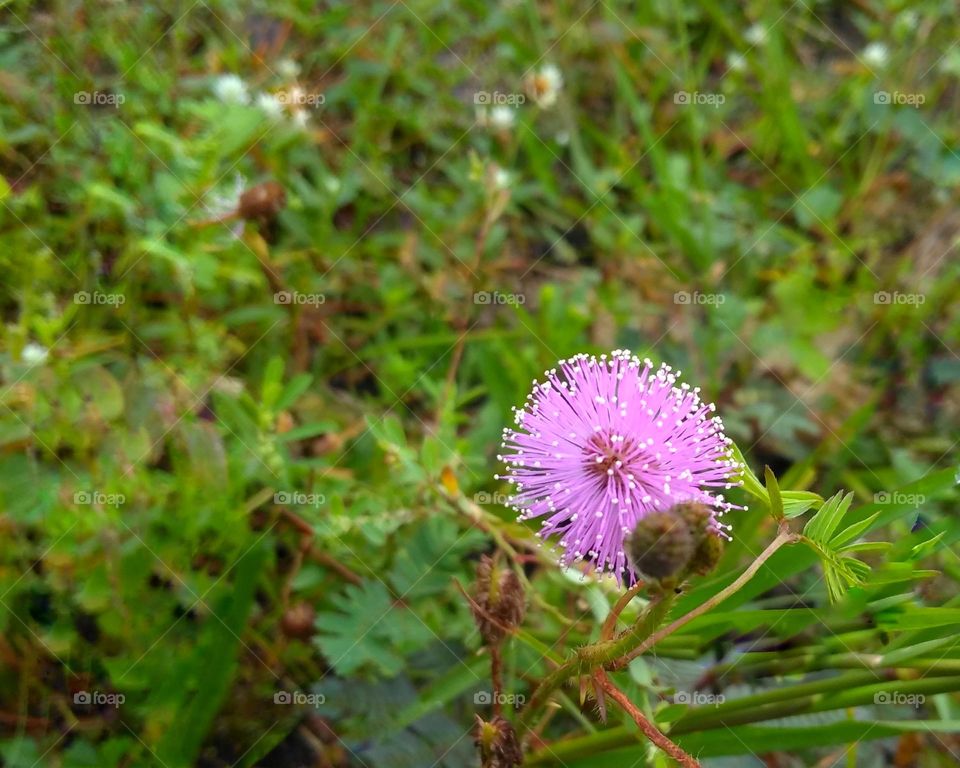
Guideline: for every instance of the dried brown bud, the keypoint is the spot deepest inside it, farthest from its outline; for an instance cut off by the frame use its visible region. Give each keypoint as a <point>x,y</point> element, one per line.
<point>661,545</point>
<point>497,743</point>
<point>263,201</point>
<point>298,621</point>
<point>285,422</point>
<point>499,602</point>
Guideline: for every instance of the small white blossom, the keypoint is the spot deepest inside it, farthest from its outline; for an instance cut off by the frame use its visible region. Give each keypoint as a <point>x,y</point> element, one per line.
<point>270,105</point>
<point>736,62</point>
<point>875,55</point>
<point>288,69</point>
<point>756,34</point>
<point>906,21</point>
<point>231,89</point>
<point>229,385</point>
<point>295,95</point>
<point>33,353</point>
<point>222,203</point>
<point>545,85</point>
<point>502,117</point>
<point>301,118</point>
<point>501,179</point>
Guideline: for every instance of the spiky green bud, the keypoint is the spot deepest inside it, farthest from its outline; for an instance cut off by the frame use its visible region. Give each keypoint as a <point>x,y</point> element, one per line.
<point>497,743</point>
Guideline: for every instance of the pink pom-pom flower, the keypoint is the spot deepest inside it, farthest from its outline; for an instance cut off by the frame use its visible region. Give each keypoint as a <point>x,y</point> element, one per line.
<point>603,442</point>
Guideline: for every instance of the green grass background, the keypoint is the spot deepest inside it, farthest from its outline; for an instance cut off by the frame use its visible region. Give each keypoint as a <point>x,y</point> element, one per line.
<point>792,250</point>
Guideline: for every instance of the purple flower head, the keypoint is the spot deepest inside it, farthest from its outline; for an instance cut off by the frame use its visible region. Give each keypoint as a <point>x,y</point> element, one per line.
<point>603,442</point>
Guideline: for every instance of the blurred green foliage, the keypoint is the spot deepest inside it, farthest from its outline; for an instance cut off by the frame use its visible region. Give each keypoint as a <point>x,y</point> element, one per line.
<point>190,464</point>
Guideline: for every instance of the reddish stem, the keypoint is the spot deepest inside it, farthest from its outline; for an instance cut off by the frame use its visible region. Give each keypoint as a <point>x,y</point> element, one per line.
<point>649,729</point>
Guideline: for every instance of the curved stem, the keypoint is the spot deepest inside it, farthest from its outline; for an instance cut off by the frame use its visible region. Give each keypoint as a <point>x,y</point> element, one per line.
<point>602,653</point>
<point>783,537</point>
<point>649,729</point>
<point>610,651</point>
<point>617,653</point>
<point>611,623</point>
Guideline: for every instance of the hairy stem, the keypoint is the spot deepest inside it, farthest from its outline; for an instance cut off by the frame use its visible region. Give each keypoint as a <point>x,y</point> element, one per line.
<point>611,623</point>
<point>599,654</point>
<point>496,678</point>
<point>649,729</point>
<point>617,653</point>
<point>783,537</point>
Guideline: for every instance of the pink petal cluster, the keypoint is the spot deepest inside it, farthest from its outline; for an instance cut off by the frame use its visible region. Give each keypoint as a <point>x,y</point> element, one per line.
<point>602,442</point>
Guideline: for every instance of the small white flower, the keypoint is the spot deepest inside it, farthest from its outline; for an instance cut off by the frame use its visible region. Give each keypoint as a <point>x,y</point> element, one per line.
<point>270,105</point>
<point>875,55</point>
<point>756,34</point>
<point>501,179</point>
<point>545,85</point>
<point>331,184</point>
<point>562,138</point>
<point>301,118</point>
<point>296,96</point>
<point>221,203</point>
<point>736,62</point>
<point>229,385</point>
<point>950,63</point>
<point>33,353</point>
<point>231,89</point>
<point>288,69</point>
<point>502,117</point>
<point>906,21</point>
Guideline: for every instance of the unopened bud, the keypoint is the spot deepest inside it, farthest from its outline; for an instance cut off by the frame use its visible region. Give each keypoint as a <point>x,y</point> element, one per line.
<point>499,601</point>
<point>696,515</point>
<point>661,545</point>
<point>708,545</point>
<point>707,554</point>
<point>263,201</point>
<point>298,621</point>
<point>497,743</point>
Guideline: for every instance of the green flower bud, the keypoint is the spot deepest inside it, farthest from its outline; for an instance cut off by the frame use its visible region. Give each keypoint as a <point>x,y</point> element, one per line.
<point>661,545</point>
<point>707,554</point>
<point>696,515</point>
